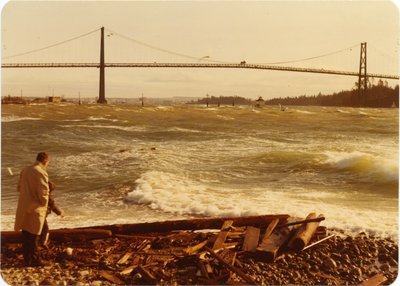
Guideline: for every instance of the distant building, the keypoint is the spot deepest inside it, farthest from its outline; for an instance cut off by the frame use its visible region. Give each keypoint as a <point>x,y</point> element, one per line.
<point>54,99</point>
<point>259,102</point>
<point>13,100</point>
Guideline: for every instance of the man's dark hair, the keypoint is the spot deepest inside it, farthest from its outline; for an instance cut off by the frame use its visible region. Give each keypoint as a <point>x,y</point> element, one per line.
<point>42,157</point>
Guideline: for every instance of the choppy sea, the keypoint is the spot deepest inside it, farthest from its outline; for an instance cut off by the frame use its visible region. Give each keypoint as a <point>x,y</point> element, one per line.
<point>125,164</point>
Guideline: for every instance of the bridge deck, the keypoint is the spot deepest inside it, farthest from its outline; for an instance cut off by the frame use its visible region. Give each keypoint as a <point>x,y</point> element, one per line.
<point>192,65</point>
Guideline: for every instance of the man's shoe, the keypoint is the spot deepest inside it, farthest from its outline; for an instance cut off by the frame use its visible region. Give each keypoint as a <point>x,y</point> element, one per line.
<point>40,262</point>
<point>27,263</point>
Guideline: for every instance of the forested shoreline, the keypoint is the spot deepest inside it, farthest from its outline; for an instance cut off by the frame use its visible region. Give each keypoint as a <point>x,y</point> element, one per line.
<point>380,95</point>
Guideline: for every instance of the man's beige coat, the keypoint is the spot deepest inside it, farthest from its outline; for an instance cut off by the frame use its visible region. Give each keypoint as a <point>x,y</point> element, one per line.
<point>33,188</point>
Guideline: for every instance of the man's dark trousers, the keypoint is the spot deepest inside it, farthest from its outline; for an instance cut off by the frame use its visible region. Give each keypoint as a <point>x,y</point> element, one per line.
<point>30,248</point>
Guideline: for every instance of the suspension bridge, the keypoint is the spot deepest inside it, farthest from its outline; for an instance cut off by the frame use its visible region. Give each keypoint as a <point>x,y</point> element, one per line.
<point>362,73</point>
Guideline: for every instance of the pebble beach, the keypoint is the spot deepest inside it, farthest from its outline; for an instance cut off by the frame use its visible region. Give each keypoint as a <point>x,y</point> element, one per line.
<point>340,260</point>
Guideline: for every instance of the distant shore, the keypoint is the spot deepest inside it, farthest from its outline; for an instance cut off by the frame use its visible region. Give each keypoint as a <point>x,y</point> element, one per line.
<point>340,260</point>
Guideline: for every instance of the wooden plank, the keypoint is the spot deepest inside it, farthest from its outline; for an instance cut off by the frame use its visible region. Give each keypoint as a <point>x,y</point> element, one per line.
<point>271,243</point>
<point>315,219</point>
<point>126,236</point>
<point>110,277</point>
<point>146,274</point>
<point>375,280</point>
<point>304,233</point>
<point>219,242</point>
<point>239,272</point>
<point>230,245</point>
<point>272,225</point>
<point>142,246</point>
<point>209,268</point>
<point>266,244</point>
<point>125,258</point>
<point>317,242</point>
<point>128,270</point>
<point>192,249</point>
<point>251,239</point>
<point>203,269</point>
<point>229,256</point>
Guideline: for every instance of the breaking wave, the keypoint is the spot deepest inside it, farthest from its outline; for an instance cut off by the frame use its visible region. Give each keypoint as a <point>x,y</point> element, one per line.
<point>362,163</point>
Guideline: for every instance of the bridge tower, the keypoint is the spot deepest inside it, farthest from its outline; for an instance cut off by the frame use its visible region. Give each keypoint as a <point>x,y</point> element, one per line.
<point>362,75</point>
<point>102,96</point>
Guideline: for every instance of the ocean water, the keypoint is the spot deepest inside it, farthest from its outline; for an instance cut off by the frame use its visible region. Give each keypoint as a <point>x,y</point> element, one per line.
<point>126,164</point>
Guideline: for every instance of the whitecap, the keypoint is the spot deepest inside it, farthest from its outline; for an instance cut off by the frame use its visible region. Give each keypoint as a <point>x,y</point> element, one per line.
<point>342,111</point>
<point>13,118</point>
<point>304,111</point>
<point>124,128</point>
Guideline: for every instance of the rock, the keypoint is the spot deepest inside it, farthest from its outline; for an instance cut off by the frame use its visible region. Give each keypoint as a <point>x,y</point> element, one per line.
<point>383,257</point>
<point>307,266</point>
<point>349,239</point>
<point>329,264</point>
<point>84,273</point>
<point>393,262</point>
<point>356,250</point>
<point>385,267</point>
<point>395,254</point>
<point>356,271</point>
<point>346,258</point>
<point>296,275</point>
<point>69,251</point>
<point>336,256</point>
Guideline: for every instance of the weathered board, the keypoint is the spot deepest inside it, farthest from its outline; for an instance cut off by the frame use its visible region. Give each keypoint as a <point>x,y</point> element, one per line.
<point>251,239</point>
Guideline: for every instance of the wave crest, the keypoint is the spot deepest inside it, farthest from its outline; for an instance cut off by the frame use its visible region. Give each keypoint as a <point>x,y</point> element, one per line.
<point>380,168</point>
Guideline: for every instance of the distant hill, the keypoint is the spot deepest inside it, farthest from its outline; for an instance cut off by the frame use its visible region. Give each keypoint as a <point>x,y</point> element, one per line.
<point>380,95</point>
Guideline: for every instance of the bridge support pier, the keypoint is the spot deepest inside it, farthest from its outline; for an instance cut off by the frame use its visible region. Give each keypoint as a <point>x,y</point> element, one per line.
<point>102,96</point>
<point>362,75</point>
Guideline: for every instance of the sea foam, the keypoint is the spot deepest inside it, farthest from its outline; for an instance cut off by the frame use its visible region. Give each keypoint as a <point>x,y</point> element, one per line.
<point>179,195</point>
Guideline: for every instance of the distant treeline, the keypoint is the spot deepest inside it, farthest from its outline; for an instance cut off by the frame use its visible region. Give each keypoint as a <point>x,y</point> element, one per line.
<point>223,100</point>
<point>380,95</point>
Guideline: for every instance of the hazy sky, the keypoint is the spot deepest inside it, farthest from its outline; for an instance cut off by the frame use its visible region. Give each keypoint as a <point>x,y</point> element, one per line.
<point>255,32</point>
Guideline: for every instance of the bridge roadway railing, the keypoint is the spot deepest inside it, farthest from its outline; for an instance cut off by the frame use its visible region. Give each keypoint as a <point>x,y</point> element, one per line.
<point>192,65</point>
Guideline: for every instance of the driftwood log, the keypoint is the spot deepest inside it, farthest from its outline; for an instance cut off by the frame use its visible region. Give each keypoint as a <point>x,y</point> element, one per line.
<point>60,235</point>
<point>304,233</point>
<point>192,224</point>
<point>104,231</point>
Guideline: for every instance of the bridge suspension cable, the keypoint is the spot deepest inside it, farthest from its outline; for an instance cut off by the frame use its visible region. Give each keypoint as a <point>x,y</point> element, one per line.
<point>50,46</point>
<point>162,49</point>
<point>383,53</point>
<point>311,58</point>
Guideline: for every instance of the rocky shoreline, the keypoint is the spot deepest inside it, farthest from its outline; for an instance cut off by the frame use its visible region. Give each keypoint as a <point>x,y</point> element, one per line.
<point>157,259</point>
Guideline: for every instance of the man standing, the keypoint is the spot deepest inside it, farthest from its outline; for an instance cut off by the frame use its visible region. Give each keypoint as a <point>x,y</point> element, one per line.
<point>33,188</point>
